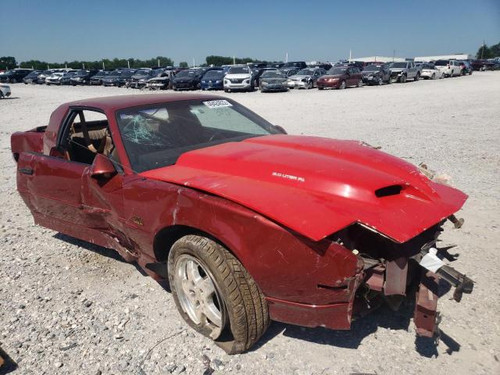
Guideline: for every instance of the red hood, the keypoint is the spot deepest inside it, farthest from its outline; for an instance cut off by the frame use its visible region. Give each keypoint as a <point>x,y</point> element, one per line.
<point>317,186</point>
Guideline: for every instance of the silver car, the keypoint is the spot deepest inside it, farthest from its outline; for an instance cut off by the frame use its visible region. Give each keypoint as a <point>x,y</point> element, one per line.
<point>305,78</point>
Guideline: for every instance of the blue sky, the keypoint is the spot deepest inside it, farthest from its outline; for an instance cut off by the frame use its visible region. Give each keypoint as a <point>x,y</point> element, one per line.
<point>65,30</point>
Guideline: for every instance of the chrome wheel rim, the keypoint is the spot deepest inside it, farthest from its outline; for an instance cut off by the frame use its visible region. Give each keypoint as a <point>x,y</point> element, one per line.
<point>199,295</point>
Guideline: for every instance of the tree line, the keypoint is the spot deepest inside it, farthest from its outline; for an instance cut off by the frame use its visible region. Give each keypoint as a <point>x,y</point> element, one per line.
<point>9,62</point>
<point>486,52</point>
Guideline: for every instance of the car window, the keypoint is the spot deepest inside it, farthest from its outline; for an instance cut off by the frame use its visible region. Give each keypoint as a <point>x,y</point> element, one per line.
<point>239,70</point>
<point>156,136</point>
<point>85,134</point>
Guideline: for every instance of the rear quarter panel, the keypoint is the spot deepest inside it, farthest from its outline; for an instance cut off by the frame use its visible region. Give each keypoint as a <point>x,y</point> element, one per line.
<point>29,141</point>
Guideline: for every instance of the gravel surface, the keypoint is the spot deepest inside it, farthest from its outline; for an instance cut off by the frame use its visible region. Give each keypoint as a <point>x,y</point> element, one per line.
<point>67,307</point>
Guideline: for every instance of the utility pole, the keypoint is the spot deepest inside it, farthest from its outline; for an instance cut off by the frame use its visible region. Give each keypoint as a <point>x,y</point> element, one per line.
<point>286,57</point>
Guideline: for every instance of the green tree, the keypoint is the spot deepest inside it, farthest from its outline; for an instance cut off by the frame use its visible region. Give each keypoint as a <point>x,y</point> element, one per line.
<point>183,64</point>
<point>7,62</point>
<point>484,52</point>
<point>495,50</point>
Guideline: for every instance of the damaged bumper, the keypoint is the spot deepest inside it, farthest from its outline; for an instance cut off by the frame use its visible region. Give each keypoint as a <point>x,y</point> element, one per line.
<point>426,269</point>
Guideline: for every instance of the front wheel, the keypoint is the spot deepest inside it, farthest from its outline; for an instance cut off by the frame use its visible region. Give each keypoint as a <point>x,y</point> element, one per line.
<point>360,83</point>
<point>417,77</point>
<point>215,294</point>
<point>342,85</point>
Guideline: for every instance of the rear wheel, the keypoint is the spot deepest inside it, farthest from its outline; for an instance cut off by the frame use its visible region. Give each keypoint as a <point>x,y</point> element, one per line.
<point>215,294</point>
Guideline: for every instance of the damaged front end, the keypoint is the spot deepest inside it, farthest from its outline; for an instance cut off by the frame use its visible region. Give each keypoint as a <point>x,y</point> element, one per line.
<point>394,272</point>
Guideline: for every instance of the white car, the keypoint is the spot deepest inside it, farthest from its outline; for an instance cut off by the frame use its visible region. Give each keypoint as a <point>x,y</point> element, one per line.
<point>4,91</point>
<point>239,78</point>
<point>450,68</point>
<point>429,71</point>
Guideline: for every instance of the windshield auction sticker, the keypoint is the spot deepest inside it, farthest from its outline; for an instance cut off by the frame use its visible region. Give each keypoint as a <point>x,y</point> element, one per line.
<point>217,103</point>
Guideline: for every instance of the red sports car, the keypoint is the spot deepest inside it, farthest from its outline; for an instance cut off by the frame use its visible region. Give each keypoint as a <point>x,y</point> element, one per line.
<point>247,223</point>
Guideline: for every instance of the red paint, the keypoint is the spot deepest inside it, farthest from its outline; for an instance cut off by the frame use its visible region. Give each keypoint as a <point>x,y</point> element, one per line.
<point>280,176</point>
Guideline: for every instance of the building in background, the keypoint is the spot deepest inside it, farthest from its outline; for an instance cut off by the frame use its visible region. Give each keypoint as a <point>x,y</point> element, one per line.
<point>462,56</point>
<point>383,59</point>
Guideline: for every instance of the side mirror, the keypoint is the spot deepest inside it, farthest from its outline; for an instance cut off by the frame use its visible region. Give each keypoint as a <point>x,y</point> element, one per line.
<point>102,167</point>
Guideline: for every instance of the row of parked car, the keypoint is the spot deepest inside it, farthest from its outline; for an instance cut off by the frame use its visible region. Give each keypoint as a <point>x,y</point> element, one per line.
<point>276,77</point>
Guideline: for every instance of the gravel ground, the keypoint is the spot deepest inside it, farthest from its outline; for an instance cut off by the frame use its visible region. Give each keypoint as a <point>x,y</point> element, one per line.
<point>67,307</point>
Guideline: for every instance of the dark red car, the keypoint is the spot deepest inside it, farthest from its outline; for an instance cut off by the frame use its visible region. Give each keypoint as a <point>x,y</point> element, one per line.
<point>248,224</point>
<point>340,77</point>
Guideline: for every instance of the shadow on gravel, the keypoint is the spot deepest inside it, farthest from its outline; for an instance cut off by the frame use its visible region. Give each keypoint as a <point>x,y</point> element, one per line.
<point>11,98</point>
<point>88,246</point>
<point>361,328</point>
<point>109,253</point>
<point>7,365</point>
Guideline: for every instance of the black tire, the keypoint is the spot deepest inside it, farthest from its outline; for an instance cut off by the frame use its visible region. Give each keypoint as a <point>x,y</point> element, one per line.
<point>360,83</point>
<point>233,292</point>
<point>320,88</point>
<point>402,79</point>
<point>417,77</point>
<point>380,81</point>
<point>433,76</point>
<point>342,85</point>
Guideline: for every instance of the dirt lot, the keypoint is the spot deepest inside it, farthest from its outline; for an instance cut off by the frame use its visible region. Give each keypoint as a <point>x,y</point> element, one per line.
<point>67,307</point>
